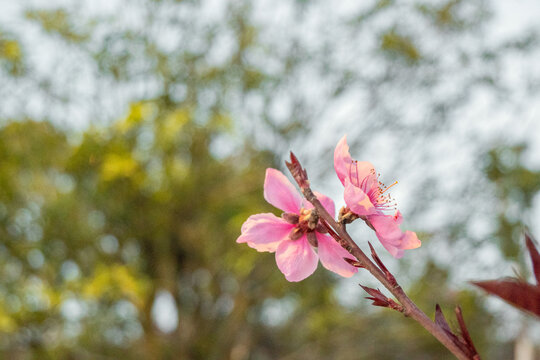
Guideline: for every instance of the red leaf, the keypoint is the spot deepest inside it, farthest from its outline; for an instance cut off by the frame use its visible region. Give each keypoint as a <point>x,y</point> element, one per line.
<point>441,320</point>
<point>535,256</point>
<point>380,300</point>
<point>379,262</point>
<point>299,174</point>
<point>465,336</point>
<point>518,293</point>
<point>354,263</point>
<point>463,340</point>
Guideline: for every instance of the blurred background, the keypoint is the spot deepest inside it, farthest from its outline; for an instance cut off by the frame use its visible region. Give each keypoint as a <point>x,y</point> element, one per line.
<point>134,137</point>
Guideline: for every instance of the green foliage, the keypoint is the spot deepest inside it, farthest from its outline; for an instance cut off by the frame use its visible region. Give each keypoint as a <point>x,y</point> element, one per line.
<point>11,54</point>
<point>133,209</point>
<point>516,186</point>
<point>58,21</point>
<point>166,205</point>
<point>446,15</point>
<point>400,46</point>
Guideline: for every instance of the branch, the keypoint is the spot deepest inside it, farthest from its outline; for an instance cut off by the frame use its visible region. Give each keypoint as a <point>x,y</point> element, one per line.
<point>380,272</point>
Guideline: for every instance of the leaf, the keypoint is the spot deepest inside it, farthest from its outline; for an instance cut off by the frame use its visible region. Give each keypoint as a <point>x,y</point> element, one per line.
<point>386,272</point>
<point>463,340</point>
<point>354,263</point>
<point>518,293</point>
<point>400,45</point>
<point>299,174</point>
<point>380,300</point>
<point>465,336</point>
<point>441,321</point>
<point>118,165</point>
<point>376,296</point>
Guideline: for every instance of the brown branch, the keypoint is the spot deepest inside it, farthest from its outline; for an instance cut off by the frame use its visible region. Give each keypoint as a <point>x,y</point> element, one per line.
<point>344,239</point>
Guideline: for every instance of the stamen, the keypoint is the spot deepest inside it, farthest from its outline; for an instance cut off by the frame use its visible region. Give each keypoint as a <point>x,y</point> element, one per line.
<point>388,187</point>
<point>376,194</point>
<point>383,201</point>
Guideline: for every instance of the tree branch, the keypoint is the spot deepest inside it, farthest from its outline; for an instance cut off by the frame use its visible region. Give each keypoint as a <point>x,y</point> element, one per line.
<point>383,275</point>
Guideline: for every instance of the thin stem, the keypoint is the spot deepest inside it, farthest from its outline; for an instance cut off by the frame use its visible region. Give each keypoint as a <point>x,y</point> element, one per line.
<point>410,308</point>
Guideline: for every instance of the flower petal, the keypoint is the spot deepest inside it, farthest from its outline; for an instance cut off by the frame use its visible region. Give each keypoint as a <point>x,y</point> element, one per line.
<point>342,159</point>
<point>410,241</point>
<point>399,217</point>
<point>357,200</point>
<point>253,219</point>
<point>387,227</point>
<point>264,232</point>
<point>390,235</point>
<point>332,254</point>
<point>296,259</point>
<point>279,192</point>
<point>326,202</point>
<point>362,174</point>
<point>394,251</point>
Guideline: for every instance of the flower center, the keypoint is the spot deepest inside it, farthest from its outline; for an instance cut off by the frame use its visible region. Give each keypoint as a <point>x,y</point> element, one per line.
<point>308,219</point>
<point>306,223</point>
<point>373,188</point>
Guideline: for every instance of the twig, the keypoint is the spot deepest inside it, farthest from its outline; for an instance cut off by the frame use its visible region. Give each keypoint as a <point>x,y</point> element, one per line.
<point>383,275</point>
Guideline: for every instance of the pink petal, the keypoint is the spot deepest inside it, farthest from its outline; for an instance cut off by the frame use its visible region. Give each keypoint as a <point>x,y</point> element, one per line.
<point>362,174</point>
<point>399,217</point>
<point>296,259</point>
<point>410,241</point>
<point>342,159</point>
<point>264,232</point>
<point>279,192</point>
<point>387,227</point>
<point>390,235</point>
<point>357,200</point>
<point>394,251</point>
<point>326,202</point>
<point>253,219</point>
<point>332,254</point>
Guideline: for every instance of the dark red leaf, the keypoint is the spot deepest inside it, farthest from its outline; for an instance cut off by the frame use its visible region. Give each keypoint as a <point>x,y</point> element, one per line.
<point>518,293</point>
<point>535,256</point>
<point>376,293</point>
<point>465,336</point>
<point>380,300</point>
<point>378,261</point>
<point>376,296</point>
<point>299,174</point>
<point>354,263</point>
<point>462,343</point>
<point>441,320</point>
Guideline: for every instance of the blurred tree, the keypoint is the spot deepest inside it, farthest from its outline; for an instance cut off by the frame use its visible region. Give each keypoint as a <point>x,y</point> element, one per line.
<point>515,187</point>
<point>94,232</point>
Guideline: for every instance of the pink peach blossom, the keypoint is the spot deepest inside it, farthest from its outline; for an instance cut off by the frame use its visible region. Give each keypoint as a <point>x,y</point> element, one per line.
<point>295,236</point>
<point>367,197</point>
